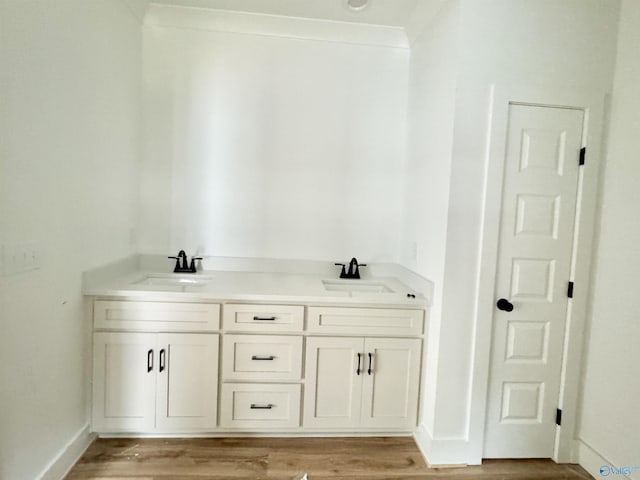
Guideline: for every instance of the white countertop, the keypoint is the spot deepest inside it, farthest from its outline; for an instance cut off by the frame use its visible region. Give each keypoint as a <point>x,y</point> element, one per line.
<point>246,286</point>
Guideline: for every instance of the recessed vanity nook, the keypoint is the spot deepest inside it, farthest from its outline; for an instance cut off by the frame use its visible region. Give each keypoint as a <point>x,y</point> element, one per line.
<point>262,347</point>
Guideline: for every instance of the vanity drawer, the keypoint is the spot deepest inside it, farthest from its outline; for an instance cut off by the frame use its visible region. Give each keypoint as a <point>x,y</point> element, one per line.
<point>260,406</point>
<point>261,357</point>
<point>365,321</point>
<point>263,318</point>
<point>155,316</point>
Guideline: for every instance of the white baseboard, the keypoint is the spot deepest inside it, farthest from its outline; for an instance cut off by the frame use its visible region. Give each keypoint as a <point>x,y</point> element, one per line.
<point>68,455</point>
<point>443,452</point>
<point>592,462</point>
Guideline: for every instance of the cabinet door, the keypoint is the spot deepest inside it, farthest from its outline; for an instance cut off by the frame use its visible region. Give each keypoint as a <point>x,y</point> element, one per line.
<point>391,383</point>
<point>333,387</point>
<point>124,376</point>
<point>187,382</point>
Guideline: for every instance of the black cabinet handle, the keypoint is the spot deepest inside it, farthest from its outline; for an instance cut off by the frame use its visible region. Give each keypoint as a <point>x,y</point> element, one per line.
<point>358,369</point>
<point>258,357</point>
<point>150,360</point>
<point>264,319</point>
<point>255,406</point>
<point>504,305</point>
<point>370,362</point>
<point>162,359</point>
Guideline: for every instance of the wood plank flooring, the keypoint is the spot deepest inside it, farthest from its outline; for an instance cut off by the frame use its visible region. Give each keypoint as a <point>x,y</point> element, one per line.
<point>380,458</point>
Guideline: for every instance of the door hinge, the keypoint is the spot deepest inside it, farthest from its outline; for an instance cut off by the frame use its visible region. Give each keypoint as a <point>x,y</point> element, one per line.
<point>558,417</point>
<point>583,153</point>
<point>570,290</point>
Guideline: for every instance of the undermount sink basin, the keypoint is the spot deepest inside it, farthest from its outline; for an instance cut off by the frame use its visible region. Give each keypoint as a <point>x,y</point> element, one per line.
<point>173,280</point>
<point>356,287</point>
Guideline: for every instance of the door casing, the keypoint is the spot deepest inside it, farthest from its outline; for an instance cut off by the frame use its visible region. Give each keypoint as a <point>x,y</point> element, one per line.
<point>593,103</point>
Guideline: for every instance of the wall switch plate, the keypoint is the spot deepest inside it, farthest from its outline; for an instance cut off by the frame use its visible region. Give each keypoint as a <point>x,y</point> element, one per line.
<point>20,257</point>
<point>31,256</point>
<point>11,258</point>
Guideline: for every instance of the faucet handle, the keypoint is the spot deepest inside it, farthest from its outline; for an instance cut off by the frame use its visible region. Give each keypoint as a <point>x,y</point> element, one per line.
<point>343,273</point>
<point>192,267</point>
<point>177,267</point>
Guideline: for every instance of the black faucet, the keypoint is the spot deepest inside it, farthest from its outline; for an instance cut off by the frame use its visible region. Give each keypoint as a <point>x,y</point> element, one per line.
<point>353,272</point>
<point>184,267</point>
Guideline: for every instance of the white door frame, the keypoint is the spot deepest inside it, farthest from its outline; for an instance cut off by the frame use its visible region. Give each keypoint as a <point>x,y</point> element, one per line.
<point>593,104</point>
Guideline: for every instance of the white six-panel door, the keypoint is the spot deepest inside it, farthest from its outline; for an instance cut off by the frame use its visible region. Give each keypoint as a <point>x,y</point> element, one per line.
<point>534,266</point>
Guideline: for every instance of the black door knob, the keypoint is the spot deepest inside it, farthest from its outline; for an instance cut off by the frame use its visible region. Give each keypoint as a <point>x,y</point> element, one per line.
<point>505,305</point>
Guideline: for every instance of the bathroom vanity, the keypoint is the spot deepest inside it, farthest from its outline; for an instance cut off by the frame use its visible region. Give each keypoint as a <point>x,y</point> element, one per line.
<point>219,353</point>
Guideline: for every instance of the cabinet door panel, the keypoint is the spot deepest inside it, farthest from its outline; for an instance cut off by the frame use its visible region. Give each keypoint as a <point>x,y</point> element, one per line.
<point>188,383</point>
<point>391,383</point>
<point>333,389</point>
<point>124,376</point>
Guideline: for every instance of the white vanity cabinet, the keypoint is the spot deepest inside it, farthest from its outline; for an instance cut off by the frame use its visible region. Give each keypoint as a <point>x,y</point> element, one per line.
<point>197,367</point>
<point>362,383</point>
<point>154,382</point>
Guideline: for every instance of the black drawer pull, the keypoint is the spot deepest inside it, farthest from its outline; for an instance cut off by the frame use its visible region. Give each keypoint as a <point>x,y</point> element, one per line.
<point>150,360</point>
<point>258,357</point>
<point>268,406</point>
<point>264,319</point>
<point>358,369</point>
<point>162,360</point>
<point>370,363</point>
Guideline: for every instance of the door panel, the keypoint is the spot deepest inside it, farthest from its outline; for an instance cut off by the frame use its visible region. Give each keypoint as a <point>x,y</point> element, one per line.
<point>534,262</point>
<point>333,388</point>
<point>124,382</point>
<point>188,382</point>
<point>391,381</point>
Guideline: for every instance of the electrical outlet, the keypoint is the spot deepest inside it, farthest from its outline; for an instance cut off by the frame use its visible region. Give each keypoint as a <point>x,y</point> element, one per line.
<point>414,251</point>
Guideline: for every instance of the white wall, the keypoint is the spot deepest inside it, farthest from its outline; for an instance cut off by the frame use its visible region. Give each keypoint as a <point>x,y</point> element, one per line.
<point>264,146</point>
<point>70,108</point>
<point>432,90</point>
<point>545,44</point>
<point>610,419</point>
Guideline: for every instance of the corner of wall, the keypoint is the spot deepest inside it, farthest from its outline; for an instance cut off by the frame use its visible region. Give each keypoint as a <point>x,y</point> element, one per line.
<point>445,452</point>
<point>68,455</point>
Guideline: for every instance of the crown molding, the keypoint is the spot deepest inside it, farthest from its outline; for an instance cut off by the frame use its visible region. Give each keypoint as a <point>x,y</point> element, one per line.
<point>422,18</point>
<point>138,8</point>
<point>275,25</point>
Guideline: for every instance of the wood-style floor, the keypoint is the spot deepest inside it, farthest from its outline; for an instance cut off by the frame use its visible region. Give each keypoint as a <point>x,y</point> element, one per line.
<point>286,458</point>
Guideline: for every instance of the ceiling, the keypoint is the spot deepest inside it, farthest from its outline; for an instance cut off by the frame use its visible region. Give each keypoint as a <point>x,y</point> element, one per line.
<point>393,13</point>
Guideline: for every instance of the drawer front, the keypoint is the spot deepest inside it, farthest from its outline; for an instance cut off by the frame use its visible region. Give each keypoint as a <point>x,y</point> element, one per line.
<point>155,316</point>
<point>263,318</point>
<point>261,357</point>
<point>259,406</point>
<point>365,321</point>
